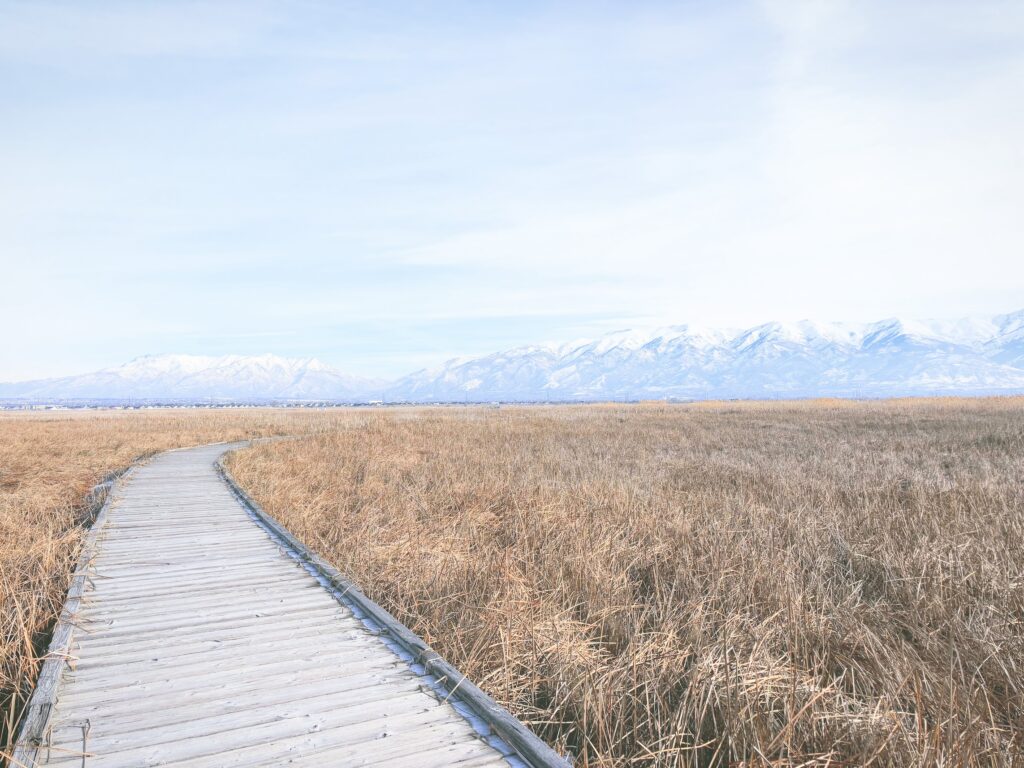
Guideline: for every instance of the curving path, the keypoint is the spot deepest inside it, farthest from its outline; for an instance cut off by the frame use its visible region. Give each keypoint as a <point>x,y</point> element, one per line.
<point>199,639</point>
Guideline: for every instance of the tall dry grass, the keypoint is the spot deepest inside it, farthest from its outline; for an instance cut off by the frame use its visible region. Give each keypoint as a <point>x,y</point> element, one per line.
<point>48,462</point>
<point>759,584</point>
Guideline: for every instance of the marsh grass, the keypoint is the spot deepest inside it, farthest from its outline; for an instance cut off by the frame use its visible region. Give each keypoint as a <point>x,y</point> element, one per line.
<point>814,583</point>
<point>822,583</point>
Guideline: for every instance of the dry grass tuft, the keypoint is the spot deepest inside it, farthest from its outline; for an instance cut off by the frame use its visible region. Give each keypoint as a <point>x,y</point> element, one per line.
<point>827,583</point>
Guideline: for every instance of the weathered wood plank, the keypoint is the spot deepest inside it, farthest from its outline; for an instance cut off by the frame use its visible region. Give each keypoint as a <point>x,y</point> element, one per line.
<point>39,710</point>
<point>195,635</point>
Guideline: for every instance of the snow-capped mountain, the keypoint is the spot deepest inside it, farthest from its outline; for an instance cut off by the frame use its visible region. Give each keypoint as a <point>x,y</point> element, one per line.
<point>197,378</point>
<point>980,355</point>
<point>803,359</point>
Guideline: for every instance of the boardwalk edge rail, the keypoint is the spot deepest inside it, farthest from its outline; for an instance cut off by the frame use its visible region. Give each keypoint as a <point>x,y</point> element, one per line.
<point>36,715</point>
<point>527,745</point>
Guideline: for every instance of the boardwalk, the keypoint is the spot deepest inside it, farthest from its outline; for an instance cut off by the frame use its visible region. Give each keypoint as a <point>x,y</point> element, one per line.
<point>200,640</point>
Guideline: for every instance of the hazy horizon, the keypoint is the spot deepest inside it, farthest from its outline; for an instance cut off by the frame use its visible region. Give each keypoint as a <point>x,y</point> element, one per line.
<point>551,343</point>
<point>893,357</point>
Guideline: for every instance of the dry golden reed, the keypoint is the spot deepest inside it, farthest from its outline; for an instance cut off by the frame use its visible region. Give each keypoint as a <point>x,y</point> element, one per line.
<point>819,583</point>
<point>813,583</point>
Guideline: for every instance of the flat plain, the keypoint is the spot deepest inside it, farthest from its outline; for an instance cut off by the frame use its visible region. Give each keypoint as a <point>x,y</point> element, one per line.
<point>806,583</point>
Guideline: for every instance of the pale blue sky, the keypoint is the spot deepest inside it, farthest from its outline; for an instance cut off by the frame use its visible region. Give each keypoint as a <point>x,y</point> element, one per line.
<point>385,185</point>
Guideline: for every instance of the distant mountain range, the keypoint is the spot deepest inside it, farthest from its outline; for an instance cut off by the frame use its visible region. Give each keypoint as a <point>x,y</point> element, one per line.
<point>195,378</point>
<point>803,359</point>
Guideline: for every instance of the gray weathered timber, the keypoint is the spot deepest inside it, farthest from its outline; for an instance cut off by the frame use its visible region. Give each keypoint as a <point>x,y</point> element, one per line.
<point>525,743</point>
<point>197,634</point>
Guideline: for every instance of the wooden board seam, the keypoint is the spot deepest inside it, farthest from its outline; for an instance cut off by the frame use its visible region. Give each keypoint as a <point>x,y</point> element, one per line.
<point>458,688</point>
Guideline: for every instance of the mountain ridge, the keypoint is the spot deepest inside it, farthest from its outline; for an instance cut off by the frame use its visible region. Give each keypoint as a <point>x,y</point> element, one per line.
<point>891,357</point>
<point>180,377</point>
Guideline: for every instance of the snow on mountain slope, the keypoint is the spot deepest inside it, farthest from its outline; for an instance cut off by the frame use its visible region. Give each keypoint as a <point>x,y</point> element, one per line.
<point>193,377</point>
<point>1008,343</point>
<point>891,357</point>
<point>978,355</point>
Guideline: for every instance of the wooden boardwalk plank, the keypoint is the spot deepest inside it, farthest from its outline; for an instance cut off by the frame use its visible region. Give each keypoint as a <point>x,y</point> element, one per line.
<point>200,638</point>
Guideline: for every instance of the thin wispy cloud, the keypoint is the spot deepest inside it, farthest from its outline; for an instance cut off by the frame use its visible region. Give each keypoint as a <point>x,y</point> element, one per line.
<point>382,183</point>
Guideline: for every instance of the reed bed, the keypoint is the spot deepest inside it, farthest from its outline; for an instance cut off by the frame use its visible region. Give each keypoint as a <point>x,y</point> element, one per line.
<point>48,463</point>
<point>814,583</point>
<point>827,583</point>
